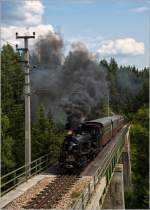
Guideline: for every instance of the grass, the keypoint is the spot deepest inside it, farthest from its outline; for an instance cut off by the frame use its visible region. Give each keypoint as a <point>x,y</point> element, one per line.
<point>75,194</point>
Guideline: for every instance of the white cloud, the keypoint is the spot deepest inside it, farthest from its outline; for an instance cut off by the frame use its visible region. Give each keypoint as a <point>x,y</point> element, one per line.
<point>8,33</point>
<point>140,9</point>
<point>126,46</point>
<point>26,13</point>
<point>33,11</point>
<point>24,17</point>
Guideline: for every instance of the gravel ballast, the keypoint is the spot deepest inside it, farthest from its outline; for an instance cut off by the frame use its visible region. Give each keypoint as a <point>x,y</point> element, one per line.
<point>29,194</point>
<point>66,201</point>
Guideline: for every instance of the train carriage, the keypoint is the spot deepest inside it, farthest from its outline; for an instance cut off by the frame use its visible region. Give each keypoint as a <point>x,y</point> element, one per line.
<point>105,128</point>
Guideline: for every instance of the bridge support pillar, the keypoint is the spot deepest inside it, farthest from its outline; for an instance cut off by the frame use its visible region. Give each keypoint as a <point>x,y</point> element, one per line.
<point>114,198</point>
<point>125,160</point>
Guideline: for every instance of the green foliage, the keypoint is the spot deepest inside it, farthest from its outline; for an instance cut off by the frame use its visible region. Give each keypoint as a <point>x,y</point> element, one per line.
<point>75,194</point>
<point>139,197</point>
<point>12,103</point>
<point>128,87</point>
<point>101,110</point>
<point>112,69</point>
<point>7,156</point>
<point>129,91</point>
<point>46,137</point>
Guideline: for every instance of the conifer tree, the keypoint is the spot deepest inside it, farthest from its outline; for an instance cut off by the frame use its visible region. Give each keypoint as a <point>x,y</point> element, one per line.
<point>12,103</point>
<point>46,138</point>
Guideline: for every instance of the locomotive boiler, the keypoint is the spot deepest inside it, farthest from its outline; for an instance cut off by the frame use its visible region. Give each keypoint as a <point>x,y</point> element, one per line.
<point>84,143</point>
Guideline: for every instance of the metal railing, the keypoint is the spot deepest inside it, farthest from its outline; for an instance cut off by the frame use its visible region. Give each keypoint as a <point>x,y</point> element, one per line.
<point>11,180</point>
<point>106,170</point>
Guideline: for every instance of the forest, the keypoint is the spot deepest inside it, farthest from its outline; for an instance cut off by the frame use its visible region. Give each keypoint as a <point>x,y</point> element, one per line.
<point>128,89</point>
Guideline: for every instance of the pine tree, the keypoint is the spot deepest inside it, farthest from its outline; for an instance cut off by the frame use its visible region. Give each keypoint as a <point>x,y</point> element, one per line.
<point>12,102</point>
<point>7,156</point>
<point>139,161</point>
<point>46,138</point>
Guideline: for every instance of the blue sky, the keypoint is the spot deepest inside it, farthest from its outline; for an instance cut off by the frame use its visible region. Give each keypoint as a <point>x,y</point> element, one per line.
<point>109,28</point>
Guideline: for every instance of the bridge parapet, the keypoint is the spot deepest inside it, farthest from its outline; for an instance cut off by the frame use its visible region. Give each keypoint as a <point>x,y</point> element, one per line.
<point>20,175</point>
<point>103,174</point>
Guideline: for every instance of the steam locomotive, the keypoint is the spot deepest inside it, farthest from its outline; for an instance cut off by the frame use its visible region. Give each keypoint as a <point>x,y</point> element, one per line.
<point>84,143</point>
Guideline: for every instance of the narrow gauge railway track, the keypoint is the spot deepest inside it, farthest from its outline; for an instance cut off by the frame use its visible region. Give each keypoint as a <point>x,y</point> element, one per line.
<point>53,192</point>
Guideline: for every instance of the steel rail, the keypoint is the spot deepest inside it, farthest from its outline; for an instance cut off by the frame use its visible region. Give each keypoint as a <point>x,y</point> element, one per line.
<point>52,193</point>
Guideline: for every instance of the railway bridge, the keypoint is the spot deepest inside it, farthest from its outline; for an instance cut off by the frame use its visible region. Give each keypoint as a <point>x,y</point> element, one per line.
<point>111,179</point>
<point>107,177</point>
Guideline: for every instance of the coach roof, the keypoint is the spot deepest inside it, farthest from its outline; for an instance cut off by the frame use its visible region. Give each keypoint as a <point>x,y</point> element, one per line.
<point>103,121</point>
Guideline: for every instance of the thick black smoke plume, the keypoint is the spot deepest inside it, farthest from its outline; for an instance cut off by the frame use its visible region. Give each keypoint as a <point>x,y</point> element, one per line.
<point>48,50</point>
<point>68,90</point>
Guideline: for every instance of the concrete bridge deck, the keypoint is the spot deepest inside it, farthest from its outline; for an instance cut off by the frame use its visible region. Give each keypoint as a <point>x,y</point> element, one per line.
<point>21,189</point>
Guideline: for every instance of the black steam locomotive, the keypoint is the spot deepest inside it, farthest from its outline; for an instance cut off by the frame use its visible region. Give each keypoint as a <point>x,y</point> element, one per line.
<point>84,143</point>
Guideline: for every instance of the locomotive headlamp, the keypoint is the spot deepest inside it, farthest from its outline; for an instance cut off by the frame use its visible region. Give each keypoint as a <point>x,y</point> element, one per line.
<point>70,132</point>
